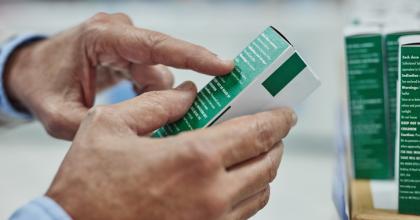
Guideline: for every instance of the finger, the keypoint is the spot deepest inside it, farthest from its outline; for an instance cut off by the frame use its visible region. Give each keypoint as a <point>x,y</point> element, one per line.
<point>246,137</point>
<point>148,47</point>
<point>252,175</point>
<point>88,81</point>
<point>151,78</point>
<point>249,207</point>
<point>106,77</point>
<point>152,110</point>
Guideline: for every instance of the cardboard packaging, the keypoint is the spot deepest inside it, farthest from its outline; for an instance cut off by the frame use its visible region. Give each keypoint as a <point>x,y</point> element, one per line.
<point>371,151</point>
<point>409,125</point>
<point>392,33</point>
<point>268,73</point>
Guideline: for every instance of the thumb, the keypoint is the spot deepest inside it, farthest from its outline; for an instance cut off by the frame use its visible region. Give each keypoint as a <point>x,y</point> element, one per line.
<point>152,110</point>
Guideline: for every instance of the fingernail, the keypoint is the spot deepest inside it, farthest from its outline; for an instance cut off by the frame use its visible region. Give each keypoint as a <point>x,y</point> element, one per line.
<point>227,62</point>
<point>186,86</point>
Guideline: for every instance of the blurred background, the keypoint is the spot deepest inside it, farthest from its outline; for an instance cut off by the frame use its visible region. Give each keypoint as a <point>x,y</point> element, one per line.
<point>303,188</point>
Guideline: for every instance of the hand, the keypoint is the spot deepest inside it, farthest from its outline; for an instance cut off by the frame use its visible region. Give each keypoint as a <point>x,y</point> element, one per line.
<point>114,171</point>
<point>56,79</point>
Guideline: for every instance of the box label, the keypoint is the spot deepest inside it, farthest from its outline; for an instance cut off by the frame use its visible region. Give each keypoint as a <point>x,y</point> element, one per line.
<point>409,153</point>
<point>213,99</point>
<point>391,53</point>
<point>371,155</point>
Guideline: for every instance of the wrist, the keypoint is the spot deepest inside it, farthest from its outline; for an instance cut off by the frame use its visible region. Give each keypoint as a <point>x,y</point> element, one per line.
<point>18,65</point>
<point>68,198</point>
<point>41,208</point>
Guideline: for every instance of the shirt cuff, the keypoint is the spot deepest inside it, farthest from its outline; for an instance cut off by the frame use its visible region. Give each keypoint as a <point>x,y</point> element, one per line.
<point>41,208</point>
<point>6,107</point>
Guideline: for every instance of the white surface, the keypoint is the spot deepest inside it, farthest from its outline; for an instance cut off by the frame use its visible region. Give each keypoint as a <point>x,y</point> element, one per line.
<point>255,97</point>
<point>385,194</point>
<point>302,190</point>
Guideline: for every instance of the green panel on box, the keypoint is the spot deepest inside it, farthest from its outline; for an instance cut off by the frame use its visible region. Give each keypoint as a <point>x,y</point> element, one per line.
<point>369,128</point>
<point>284,74</point>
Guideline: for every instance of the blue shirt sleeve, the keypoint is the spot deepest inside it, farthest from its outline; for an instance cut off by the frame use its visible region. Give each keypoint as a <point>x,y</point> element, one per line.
<point>42,208</point>
<point>6,108</point>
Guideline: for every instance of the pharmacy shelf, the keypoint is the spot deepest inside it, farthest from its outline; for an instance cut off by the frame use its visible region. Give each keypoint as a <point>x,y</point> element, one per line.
<point>355,199</point>
<point>362,208</point>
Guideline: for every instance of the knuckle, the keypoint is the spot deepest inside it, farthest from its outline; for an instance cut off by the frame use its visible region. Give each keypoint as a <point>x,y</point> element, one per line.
<point>258,203</point>
<point>153,96</point>
<point>154,40</point>
<point>263,133</point>
<point>101,17</point>
<point>99,113</point>
<point>201,155</point>
<point>58,122</point>
<point>167,79</point>
<point>264,198</point>
<point>55,122</point>
<point>154,102</point>
<point>272,169</point>
<point>97,23</point>
<point>123,16</point>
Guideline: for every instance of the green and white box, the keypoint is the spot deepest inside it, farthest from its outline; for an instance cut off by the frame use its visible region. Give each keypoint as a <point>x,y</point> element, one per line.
<point>392,33</point>
<point>268,73</point>
<point>409,125</point>
<point>367,107</point>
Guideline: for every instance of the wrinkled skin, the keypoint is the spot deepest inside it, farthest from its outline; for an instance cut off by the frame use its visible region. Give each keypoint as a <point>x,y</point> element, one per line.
<point>114,170</point>
<point>56,79</point>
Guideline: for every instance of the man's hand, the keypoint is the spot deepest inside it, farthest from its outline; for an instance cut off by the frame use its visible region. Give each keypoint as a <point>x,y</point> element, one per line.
<point>114,170</point>
<point>56,79</point>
